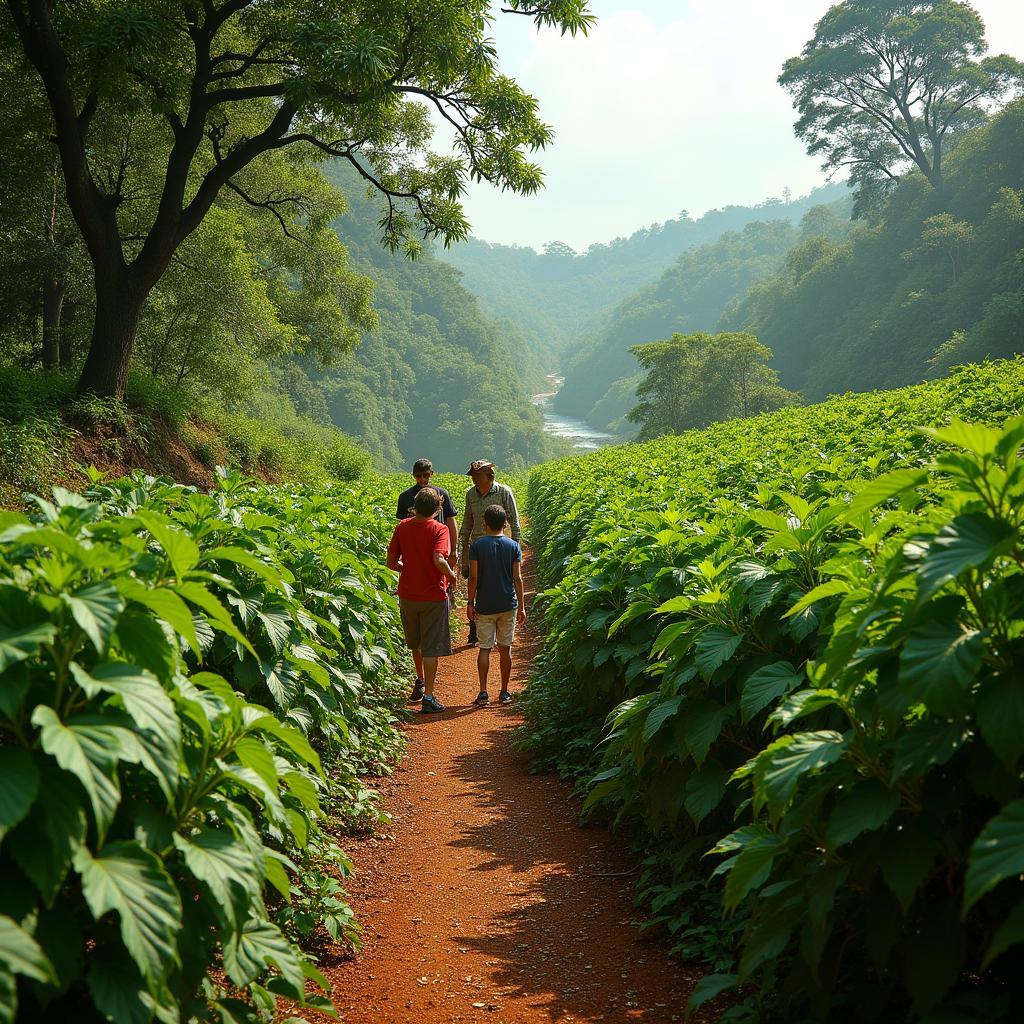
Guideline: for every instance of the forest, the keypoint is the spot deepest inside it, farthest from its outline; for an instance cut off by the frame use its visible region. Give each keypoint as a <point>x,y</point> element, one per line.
<point>757,756</point>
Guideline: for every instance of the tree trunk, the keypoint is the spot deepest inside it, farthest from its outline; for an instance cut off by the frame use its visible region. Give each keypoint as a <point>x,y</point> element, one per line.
<point>118,307</point>
<point>54,291</point>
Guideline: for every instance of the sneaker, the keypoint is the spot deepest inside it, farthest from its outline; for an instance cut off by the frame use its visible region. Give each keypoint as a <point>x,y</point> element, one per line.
<point>504,697</point>
<point>430,704</point>
<point>417,692</point>
<point>481,699</point>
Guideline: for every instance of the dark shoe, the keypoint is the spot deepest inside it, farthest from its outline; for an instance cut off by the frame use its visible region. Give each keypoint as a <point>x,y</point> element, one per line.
<point>431,704</point>
<point>471,639</point>
<point>481,699</point>
<point>504,697</point>
<point>417,692</point>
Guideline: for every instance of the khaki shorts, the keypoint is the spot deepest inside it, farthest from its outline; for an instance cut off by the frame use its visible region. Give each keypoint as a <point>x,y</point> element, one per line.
<point>426,627</point>
<point>499,628</point>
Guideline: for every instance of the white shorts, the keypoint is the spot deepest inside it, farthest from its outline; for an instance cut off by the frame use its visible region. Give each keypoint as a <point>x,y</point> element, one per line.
<point>498,628</point>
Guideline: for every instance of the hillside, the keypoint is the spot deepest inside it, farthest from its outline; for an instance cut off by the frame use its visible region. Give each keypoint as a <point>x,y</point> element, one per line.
<point>560,298</point>
<point>689,296</point>
<point>935,278</point>
<point>437,377</point>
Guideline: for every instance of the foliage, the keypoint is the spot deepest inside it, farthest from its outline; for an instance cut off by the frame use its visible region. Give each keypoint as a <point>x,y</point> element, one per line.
<point>690,296</point>
<point>185,677</point>
<point>862,315</point>
<point>694,380</point>
<point>802,630</point>
<point>886,86</point>
<point>156,116</point>
<point>560,299</point>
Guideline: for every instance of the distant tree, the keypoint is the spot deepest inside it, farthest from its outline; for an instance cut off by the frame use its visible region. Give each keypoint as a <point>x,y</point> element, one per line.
<point>694,380</point>
<point>888,84</point>
<point>945,236</point>
<point>202,89</point>
<point>561,249</point>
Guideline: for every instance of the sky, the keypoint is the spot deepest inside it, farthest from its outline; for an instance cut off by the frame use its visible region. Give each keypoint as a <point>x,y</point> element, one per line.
<point>667,105</point>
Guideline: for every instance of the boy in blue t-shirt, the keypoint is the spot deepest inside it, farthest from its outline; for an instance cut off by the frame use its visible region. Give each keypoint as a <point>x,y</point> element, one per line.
<point>495,598</point>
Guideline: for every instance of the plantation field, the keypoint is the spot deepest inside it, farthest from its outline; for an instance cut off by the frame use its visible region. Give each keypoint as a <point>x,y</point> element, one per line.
<point>786,653</point>
<point>191,687</point>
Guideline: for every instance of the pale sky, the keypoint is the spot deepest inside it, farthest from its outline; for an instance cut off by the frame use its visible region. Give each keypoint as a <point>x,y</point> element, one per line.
<point>666,105</point>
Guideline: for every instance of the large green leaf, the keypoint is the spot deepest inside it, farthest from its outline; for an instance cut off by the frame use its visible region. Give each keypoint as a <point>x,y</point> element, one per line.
<point>164,604</point>
<point>700,725</point>
<point>937,664</point>
<point>715,647</point>
<point>997,853</point>
<point>868,806</point>
<point>784,763</point>
<point>19,644</point>
<point>1010,933</point>
<point>129,880</point>
<point>767,684</point>
<point>19,784</point>
<point>905,856</point>
<point>181,549</point>
<point>228,869</point>
<point>145,700</point>
<point>20,953</point>
<point>89,750</point>
<point>976,438</point>
<point>705,789</point>
<point>260,945</point>
<point>756,847</point>
<point>44,843</point>
<point>830,588</point>
<point>1001,716</point>
<point>660,714</point>
<point>968,542</point>
<point>95,608</point>
<point>886,486</point>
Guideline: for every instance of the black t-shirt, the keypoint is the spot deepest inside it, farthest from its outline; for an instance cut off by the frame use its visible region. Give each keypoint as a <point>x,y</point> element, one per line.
<point>407,499</point>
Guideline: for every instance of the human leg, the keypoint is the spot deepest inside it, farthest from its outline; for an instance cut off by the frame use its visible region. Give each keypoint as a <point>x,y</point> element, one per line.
<point>505,661</point>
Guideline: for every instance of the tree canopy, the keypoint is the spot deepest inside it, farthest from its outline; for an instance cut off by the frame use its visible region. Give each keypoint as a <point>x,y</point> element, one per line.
<point>694,380</point>
<point>160,109</point>
<point>884,85</point>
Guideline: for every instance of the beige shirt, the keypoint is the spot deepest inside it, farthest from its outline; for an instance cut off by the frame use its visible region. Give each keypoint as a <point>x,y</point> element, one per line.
<point>472,525</point>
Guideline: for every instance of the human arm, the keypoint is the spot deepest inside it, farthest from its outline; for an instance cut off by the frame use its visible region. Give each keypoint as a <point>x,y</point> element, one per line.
<point>466,530</point>
<point>441,563</point>
<point>512,511</point>
<point>394,553</point>
<point>453,538</point>
<point>517,582</point>
<point>471,590</point>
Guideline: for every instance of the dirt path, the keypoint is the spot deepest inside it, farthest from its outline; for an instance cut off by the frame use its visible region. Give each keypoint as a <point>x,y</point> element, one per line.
<point>484,900</point>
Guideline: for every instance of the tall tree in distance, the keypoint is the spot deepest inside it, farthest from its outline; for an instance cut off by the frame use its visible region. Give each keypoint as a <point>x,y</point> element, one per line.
<point>204,88</point>
<point>694,380</point>
<point>885,85</point>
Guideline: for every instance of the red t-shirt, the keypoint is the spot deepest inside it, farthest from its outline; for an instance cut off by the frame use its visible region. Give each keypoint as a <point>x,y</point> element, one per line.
<point>417,542</point>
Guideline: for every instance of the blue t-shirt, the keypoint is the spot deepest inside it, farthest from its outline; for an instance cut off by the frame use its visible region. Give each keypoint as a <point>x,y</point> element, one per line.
<point>494,557</point>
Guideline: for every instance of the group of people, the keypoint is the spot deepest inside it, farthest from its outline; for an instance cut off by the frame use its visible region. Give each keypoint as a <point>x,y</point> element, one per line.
<point>425,550</point>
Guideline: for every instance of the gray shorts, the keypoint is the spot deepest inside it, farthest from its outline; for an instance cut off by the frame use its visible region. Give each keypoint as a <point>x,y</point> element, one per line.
<point>426,628</point>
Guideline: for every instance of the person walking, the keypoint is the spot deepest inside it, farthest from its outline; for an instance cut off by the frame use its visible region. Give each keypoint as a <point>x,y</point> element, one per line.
<point>419,551</point>
<point>496,601</point>
<point>423,472</point>
<point>485,491</point>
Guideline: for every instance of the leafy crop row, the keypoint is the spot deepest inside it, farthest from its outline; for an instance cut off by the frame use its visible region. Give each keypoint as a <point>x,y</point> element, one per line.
<point>805,632</point>
<point>190,684</point>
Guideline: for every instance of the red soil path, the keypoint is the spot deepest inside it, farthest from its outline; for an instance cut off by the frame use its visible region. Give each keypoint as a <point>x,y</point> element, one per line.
<point>484,899</point>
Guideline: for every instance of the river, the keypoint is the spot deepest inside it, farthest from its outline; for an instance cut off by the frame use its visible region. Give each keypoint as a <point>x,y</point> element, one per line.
<point>580,435</point>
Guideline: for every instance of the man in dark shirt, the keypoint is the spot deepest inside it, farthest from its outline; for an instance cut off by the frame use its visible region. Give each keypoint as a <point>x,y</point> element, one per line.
<point>495,597</point>
<point>423,472</point>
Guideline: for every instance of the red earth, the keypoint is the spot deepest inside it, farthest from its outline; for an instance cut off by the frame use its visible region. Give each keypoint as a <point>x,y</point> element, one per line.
<point>484,899</point>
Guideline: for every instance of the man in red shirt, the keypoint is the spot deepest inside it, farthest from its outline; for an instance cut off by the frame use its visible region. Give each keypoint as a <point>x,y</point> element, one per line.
<point>419,551</point>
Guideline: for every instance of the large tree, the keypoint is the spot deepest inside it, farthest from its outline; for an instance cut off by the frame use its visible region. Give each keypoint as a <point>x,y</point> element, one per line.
<point>694,380</point>
<point>210,86</point>
<point>885,85</point>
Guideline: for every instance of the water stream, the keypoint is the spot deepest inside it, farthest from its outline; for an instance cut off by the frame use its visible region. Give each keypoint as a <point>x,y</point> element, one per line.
<point>580,435</point>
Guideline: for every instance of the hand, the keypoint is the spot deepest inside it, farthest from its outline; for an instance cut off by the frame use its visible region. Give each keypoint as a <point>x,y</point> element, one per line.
<point>521,615</point>
<point>471,612</point>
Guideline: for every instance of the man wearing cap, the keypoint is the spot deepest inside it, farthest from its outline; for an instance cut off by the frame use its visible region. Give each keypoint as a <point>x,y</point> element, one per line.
<point>486,491</point>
